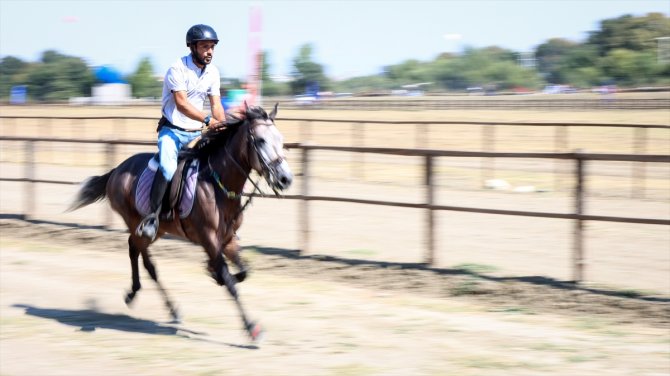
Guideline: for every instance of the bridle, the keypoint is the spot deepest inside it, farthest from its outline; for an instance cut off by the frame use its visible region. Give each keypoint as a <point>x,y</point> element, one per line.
<point>268,170</point>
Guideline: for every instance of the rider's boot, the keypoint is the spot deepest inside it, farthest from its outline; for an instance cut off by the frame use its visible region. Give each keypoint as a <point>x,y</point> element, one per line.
<point>148,228</point>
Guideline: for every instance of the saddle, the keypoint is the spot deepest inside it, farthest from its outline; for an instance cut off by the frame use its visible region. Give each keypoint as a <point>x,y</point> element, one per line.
<point>179,195</point>
<point>173,193</point>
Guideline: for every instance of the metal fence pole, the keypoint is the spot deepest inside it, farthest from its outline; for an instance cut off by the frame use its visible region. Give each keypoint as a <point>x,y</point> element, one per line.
<point>304,207</point>
<point>430,215</point>
<point>29,176</point>
<point>578,240</point>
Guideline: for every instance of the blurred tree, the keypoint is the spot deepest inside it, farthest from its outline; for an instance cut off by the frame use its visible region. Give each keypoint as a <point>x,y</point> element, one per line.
<point>630,33</point>
<point>12,72</point>
<point>408,72</point>
<point>306,72</point>
<point>579,66</point>
<point>365,84</point>
<point>628,67</point>
<point>490,67</point>
<point>550,55</point>
<point>271,88</point>
<point>143,82</point>
<point>59,77</point>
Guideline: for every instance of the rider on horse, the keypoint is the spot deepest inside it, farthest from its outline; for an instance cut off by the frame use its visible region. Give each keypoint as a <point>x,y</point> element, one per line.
<point>186,85</point>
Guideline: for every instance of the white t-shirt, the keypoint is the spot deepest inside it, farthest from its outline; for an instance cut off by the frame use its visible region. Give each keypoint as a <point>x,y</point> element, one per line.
<point>184,75</point>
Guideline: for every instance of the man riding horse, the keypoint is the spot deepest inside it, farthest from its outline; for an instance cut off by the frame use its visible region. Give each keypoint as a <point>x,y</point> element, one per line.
<point>187,83</point>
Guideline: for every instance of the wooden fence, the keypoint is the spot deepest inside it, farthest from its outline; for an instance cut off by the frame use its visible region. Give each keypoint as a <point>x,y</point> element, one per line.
<point>428,205</point>
<point>488,136</point>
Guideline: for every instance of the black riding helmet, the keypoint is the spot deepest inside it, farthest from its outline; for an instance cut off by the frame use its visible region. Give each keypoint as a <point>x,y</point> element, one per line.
<point>200,32</point>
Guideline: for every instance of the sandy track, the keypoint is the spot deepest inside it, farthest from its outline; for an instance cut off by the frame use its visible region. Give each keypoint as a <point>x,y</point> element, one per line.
<point>61,297</point>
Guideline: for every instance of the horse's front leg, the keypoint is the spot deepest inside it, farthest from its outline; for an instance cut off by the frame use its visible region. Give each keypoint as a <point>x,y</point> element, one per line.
<point>232,253</point>
<point>223,277</point>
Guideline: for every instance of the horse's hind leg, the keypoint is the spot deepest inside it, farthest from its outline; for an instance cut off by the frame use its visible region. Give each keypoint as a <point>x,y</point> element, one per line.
<point>149,266</point>
<point>134,253</point>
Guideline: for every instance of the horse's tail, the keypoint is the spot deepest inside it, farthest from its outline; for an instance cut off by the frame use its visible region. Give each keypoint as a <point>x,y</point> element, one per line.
<point>92,189</point>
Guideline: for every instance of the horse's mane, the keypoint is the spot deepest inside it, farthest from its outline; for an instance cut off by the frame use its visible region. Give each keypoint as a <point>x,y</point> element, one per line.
<point>219,136</point>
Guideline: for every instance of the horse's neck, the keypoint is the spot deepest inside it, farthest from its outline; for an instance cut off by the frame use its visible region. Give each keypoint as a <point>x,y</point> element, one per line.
<point>233,174</point>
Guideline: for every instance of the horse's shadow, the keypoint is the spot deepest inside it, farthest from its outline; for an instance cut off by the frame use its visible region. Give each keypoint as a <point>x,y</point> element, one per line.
<point>88,320</point>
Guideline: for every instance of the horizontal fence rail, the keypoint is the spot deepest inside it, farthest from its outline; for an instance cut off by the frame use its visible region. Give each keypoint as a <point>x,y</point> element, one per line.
<point>428,205</point>
<point>482,103</point>
<point>400,122</point>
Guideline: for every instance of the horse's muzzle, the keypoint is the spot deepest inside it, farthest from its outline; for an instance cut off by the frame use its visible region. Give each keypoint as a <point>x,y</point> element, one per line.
<point>282,180</point>
<point>280,176</point>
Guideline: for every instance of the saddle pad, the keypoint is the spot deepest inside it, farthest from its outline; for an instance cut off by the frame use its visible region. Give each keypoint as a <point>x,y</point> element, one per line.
<point>143,190</point>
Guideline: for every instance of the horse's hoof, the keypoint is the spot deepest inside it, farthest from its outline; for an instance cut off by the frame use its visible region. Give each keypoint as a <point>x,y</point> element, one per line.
<point>176,318</point>
<point>241,276</point>
<point>129,298</point>
<point>255,332</point>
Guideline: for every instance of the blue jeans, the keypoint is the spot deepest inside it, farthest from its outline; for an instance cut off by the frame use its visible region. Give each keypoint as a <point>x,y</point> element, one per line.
<point>170,141</point>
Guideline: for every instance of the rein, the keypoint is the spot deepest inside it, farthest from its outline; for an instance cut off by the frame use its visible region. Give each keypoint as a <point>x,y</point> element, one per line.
<point>232,195</point>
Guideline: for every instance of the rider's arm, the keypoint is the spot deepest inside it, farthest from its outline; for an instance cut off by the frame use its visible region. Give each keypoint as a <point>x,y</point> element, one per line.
<point>186,108</point>
<point>218,113</point>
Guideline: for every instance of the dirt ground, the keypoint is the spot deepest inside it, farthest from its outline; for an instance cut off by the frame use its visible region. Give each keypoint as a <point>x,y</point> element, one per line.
<point>359,302</point>
<point>62,313</point>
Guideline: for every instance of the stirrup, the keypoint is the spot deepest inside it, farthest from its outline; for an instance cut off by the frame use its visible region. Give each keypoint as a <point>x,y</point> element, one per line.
<point>148,228</point>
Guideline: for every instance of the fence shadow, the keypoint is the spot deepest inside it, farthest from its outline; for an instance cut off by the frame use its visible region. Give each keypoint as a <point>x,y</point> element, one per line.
<point>295,255</point>
<point>531,280</point>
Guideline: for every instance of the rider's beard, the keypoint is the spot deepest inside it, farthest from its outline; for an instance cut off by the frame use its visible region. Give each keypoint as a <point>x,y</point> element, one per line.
<point>202,60</point>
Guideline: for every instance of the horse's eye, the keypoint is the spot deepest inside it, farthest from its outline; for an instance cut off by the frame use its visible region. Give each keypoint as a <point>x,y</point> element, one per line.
<point>260,141</point>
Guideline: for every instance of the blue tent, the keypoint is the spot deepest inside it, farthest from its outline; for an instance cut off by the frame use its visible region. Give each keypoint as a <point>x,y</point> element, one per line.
<point>108,75</point>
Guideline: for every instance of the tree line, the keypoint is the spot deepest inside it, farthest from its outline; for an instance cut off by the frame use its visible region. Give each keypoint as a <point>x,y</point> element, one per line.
<point>624,51</point>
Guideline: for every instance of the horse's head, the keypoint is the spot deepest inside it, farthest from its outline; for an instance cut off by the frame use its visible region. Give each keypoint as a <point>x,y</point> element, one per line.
<point>267,148</point>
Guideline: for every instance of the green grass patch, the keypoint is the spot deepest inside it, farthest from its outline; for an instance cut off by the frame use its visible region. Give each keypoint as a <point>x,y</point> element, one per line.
<point>514,310</point>
<point>361,252</point>
<point>476,268</point>
<point>469,286</point>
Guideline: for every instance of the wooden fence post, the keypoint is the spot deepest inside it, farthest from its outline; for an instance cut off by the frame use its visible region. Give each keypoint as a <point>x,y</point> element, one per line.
<point>305,131</point>
<point>111,158</point>
<point>488,145</point>
<point>358,159</point>
<point>639,168</point>
<point>29,176</point>
<point>421,136</point>
<point>578,241</point>
<point>304,208</point>
<point>430,215</point>
<point>560,146</point>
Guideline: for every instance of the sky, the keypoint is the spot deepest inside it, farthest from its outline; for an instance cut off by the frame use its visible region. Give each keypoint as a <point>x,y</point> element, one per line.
<point>350,38</point>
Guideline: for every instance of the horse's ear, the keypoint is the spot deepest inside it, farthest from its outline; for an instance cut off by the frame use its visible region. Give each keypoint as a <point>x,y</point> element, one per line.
<point>273,114</point>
